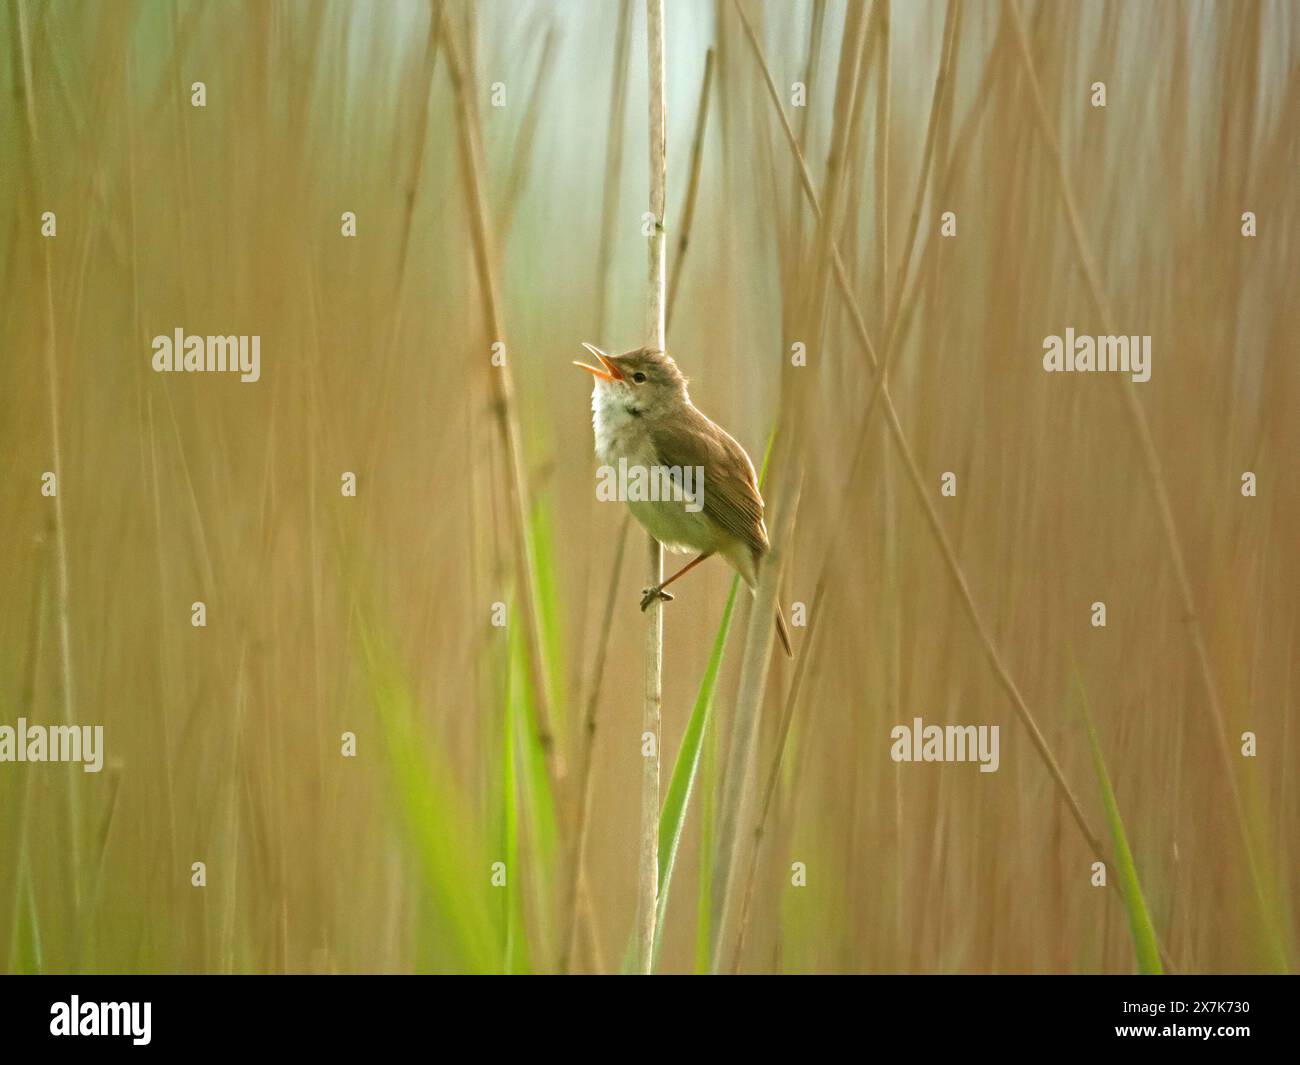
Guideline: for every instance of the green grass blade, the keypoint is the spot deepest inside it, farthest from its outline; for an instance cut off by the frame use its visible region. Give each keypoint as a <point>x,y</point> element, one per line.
<point>26,955</point>
<point>704,891</point>
<point>672,818</point>
<point>534,797</point>
<point>535,783</point>
<point>444,838</point>
<point>510,809</point>
<point>1139,920</point>
<point>546,593</point>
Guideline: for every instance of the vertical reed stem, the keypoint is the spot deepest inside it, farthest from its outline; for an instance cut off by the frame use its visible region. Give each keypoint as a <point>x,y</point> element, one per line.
<point>57,523</point>
<point>648,881</point>
<point>504,405</point>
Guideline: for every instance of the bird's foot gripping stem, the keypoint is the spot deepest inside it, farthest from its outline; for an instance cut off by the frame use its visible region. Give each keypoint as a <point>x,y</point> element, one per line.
<point>649,595</point>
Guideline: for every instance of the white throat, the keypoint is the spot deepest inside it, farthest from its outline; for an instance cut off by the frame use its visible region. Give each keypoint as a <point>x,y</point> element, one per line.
<point>620,432</point>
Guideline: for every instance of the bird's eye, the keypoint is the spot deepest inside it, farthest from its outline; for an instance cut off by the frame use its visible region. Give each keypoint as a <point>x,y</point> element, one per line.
<point>638,377</point>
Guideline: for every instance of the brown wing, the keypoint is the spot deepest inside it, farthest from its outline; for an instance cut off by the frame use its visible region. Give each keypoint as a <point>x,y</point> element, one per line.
<point>730,488</point>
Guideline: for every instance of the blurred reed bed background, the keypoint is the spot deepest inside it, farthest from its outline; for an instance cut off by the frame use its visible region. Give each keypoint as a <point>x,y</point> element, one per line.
<point>521,224</point>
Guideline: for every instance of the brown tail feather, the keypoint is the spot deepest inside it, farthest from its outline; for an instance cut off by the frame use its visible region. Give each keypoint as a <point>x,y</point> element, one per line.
<point>783,632</point>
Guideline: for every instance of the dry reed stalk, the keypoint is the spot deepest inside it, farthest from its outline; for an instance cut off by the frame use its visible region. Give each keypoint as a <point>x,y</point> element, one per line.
<point>578,856</point>
<point>22,816</point>
<point>1155,474</point>
<point>894,623</point>
<point>648,878</point>
<point>880,390</point>
<point>951,26</point>
<point>165,688</point>
<point>578,848</point>
<point>849,93</point>
<point>527,132</point>
<point>692,190</point>
<point>741,751</point>
<point>849,222</point>
<point>882,153</point>
<point>774,773</point>
<point>609,208</point>
<point>855,199</point>
<point>914,476</point>
<point>810,81</point>
<point>736,797</point>
<point>805,179</point>
<point>56,462</point>
<point>837,526</point>
<point>613,164</point>
<point>504,407</point>
<point>417,156</point>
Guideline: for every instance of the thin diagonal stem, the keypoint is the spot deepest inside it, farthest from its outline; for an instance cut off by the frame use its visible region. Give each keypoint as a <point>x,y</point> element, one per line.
<point>1154,470</point>
<point>914,477</point>
<point>504,406</point>
<point>692,190</point>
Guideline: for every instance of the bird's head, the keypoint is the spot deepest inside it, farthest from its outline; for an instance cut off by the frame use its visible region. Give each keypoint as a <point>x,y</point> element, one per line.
<point>642,380</point>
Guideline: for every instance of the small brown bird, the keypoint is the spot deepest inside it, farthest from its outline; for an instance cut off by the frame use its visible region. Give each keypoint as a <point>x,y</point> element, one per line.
<point>644,418</point>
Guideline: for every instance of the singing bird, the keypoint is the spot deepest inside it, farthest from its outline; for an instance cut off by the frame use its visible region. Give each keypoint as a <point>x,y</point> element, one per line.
<point>642,414</point>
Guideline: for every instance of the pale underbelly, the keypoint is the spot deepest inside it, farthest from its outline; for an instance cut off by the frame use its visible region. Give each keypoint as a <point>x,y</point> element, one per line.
<point>678,529</point>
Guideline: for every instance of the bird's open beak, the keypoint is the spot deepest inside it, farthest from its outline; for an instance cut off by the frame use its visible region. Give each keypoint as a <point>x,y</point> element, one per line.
<point>610,372</point>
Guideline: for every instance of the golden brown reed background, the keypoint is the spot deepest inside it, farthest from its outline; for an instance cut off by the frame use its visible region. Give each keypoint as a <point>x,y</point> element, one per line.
<point>373,614</point>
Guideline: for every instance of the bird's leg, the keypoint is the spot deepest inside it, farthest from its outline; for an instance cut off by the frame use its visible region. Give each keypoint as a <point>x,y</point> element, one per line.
<point>649,595</point>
